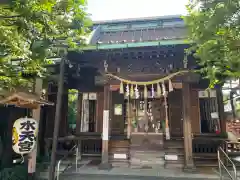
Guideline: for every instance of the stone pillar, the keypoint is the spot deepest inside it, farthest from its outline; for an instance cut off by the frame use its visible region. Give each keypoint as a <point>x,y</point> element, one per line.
<point>187,129</point>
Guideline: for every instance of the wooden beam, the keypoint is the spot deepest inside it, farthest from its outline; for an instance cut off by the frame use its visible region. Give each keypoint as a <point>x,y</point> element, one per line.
<point>130,117</point>
<point>79,113</point>
<point>220,103</point>
<point>105,165</point>
<point>187,129</point>
<point>78,124</point>
<point>36,115</point>
<point>57,120</point>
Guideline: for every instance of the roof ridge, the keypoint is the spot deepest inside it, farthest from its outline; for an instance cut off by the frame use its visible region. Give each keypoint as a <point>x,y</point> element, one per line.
<point>137,19</point>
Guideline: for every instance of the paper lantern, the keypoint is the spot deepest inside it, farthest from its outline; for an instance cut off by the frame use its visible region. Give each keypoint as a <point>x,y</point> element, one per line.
<point>24,136</point>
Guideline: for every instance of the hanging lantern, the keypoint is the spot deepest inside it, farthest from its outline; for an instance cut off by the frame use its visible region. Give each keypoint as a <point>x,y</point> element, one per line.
<point>153,92</point>
<point>127,90</point>
<point>121,89</point>
<point>145,92</point>
<point>137,95</point>
<point>159,91</point>
<point>24,135</point>
<point>131,91</point>
<point>170,86</point>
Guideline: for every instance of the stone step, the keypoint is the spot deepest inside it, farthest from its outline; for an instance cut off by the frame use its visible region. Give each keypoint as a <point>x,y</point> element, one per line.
<point>148,155</point>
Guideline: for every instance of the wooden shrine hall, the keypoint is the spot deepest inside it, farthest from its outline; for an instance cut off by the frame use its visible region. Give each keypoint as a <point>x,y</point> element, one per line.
<point>139,104</point>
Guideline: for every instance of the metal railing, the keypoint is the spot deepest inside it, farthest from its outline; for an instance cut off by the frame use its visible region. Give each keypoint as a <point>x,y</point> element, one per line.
<point>74,148</point>
<point>232,175</point>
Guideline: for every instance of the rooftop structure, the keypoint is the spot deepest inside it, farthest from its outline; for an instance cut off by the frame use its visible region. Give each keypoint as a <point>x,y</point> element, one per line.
<point>139,32</point>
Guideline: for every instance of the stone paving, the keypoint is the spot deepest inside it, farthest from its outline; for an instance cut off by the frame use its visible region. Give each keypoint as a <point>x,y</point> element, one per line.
<point>91,172</point>
<point>87,171</point>
<point>104,177</point>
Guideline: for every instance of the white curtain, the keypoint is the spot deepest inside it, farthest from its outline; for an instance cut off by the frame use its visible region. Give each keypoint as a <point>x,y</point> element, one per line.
<point>85,116</point>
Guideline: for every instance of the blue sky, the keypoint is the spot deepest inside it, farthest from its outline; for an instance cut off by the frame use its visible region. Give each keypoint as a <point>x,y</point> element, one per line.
<point>122,9</point>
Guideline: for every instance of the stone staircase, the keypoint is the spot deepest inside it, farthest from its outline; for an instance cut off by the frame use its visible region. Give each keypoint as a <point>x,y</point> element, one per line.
<point>119,153</point>
<point>146,151</point>
<point>146,159</point>
<point>174,147</point>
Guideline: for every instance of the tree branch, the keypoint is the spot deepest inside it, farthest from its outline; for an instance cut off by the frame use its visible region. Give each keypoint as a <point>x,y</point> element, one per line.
<point>10,17</point>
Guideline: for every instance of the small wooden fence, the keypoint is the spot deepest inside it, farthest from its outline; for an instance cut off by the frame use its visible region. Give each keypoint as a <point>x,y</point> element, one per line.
<point>205,147</point>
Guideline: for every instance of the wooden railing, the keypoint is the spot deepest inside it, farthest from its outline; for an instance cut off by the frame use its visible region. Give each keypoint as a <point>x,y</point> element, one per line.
<point>90,143</point>
<point>91,147</point>
<point>205,148</point>
<point>206,144</point>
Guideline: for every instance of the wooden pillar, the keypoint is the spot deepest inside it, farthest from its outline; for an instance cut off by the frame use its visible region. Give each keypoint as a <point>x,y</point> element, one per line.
<point>129,125</point>
<point>99,122</point>
<point>146,114</point>
<point>105,165</point>
<point>78,124</point>
<point>167,131</point>
<point>222,117</point>
<point>79,113</point>
<point>57,120</point>
<point>36,115</point>
<point>63,131</point>
<point>187,129</point>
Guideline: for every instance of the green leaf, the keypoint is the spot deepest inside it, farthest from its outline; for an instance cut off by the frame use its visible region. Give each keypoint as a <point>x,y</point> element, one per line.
<point>214,27</point>
<point>29,32</point>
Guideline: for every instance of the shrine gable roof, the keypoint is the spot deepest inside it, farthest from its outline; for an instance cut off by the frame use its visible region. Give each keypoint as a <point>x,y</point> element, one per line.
<point>139,32</point>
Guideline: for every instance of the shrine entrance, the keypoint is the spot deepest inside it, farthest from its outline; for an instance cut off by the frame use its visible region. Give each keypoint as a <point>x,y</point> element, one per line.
<point>147,133</point>
<point>148,122</point>
<point>150,109</point>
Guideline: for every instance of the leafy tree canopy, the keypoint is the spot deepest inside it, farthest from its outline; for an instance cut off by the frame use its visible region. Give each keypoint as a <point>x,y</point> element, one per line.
<point>32,31</point>
<point>214,27</point>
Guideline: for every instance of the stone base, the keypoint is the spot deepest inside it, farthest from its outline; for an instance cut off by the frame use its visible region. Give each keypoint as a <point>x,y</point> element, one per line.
<point>189,169</point>
<point>105,166</point>
<point>31,176</point>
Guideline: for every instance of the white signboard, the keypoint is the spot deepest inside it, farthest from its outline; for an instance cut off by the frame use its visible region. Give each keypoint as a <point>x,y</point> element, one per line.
<point>118,109</point>
<point>120,156</point>
<point>85,96</point>
<point>214,115</point>
<point>105,125</point>
<point>169,157</point>
<point>89,96</point>
<point>213,93</point>
<point>167,133</point>
<point>202,94</point>
<point>24,136</point>
<point>92,96</point>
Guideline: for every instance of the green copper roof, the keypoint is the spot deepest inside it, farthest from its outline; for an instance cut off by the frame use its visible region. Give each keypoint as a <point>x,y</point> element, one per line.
<point>136,44</point>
